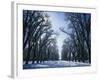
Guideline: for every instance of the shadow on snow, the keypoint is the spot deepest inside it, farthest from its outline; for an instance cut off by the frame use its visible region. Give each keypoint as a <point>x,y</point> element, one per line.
<point>54,64</point>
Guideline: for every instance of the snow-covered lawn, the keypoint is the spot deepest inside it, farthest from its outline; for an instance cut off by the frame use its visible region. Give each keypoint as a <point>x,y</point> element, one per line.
<point>54,64</point>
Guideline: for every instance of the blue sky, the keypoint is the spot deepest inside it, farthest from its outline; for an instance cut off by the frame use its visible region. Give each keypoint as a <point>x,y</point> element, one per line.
<point>58,20</point>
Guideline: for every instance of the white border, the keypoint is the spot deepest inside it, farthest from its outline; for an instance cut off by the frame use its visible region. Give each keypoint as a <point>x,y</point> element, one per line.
<point>17,67</point>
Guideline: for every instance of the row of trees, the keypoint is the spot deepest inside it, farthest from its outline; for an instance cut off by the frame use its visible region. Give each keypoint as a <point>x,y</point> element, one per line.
<point>39,43</point>
<point>78,45</point>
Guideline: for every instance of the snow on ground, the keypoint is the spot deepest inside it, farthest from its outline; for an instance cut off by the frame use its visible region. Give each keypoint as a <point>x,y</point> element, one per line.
<point>54,64</point>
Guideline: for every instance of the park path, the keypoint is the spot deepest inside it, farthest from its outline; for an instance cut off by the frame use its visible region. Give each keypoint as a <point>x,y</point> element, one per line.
<point>55,64</point>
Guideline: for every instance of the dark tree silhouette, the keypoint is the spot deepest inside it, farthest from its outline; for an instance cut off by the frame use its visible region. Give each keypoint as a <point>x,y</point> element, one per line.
<point>79,43</point>
<point>38,43</point>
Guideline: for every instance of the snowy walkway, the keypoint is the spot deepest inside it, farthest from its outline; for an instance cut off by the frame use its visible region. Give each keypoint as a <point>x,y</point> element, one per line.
<point>55,64</point>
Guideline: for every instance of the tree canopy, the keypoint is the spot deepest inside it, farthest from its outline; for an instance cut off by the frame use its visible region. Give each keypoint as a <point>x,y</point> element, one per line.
<point>38,43</point>
<point>78,46</point>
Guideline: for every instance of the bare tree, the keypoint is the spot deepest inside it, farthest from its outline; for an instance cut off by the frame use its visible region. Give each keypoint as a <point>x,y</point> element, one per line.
<point>79,35</point>
<point>37,36</point>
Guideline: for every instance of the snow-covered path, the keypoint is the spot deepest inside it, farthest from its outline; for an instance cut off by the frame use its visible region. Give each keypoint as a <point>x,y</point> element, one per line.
<point>55,64</point>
